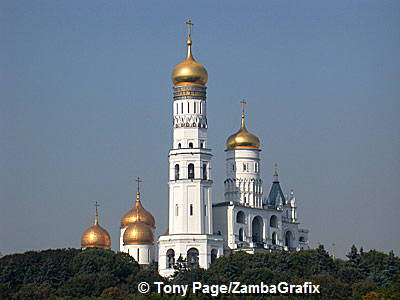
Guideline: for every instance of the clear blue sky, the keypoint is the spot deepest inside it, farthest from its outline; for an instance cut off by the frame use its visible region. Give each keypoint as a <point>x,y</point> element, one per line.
<point>86,99</point>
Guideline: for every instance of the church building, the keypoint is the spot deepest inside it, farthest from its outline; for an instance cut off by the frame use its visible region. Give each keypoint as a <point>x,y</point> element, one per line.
<point>200,228</point>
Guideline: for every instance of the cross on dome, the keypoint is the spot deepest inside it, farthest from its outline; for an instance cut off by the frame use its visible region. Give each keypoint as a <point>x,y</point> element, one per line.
<point>189,24</point>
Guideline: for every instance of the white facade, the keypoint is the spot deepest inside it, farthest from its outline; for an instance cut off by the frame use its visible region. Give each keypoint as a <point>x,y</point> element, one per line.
<point>143,254</point>
<point>190,186</point>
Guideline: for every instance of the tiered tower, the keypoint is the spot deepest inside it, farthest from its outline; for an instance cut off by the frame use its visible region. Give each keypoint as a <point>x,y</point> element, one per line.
<point>190,235</point>
<point>243,184</point>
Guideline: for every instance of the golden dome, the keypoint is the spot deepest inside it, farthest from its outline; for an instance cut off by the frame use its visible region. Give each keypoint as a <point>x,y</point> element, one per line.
<point>189,72</point>
<point>138,233</point>
<point>96,236</point>
<point>138,213</point>
<point>242,138</point>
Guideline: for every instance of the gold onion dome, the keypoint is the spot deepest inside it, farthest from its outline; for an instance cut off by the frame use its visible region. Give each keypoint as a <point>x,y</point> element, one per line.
<point>138,233</point>
<point>189,72</point>
<point>136,213</point>
<point>242,138</point>
<point>96,236</point>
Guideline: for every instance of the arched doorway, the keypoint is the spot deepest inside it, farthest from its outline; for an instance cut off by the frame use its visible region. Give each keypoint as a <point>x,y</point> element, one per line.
<point>193,258</point>
<point>257,229</point>
<point>289,239</point>
<point>241,235</point>
<point>274,238</point>
<point>214,254</point>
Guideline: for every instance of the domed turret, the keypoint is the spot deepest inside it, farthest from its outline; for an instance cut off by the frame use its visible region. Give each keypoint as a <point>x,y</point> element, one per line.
<point>136,212</point>
<point>243,138</point>
<point>96,236</point>
<point>189,72</point>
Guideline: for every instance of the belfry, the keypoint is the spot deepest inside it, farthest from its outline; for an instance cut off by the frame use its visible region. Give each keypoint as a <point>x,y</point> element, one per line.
<point>190,235</point>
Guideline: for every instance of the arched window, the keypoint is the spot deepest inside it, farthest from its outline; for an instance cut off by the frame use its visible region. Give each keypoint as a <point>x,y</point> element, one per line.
<point>190,145</point>
<point>240,217</point>
<point>191,171</point>
<point>302,239</point>
<point>194,104</point>
<point>170,258</point>
<point>181,107</point>
<point>176,172</point>
<point>205,171</point>
<point>274,238</point>
<point>179,146</point>
<point>177,210</point>
<point>241,235</point>
<point>191,209</point>
<point>188,108</point>
<point>201,145</point>
<point>214,254</point>
<point>193,258</point>
<point>244,167</point>
<point>273,222</point>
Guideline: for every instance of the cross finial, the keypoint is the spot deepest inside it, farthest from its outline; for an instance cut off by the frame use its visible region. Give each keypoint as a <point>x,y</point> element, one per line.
<point>189,24</point>
<point>276,172</point>
<point>96,220</point>
<point>243,102</point>
<point>138,180</point>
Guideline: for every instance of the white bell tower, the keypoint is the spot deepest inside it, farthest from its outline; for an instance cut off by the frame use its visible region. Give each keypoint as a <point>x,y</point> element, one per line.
<point>190,231</point>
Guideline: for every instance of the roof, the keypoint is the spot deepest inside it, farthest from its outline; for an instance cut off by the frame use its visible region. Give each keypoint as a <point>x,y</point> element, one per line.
<point>276,195</point>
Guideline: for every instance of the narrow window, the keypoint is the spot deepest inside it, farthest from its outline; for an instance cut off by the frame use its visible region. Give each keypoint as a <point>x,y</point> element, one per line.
<point>194,107</point>
<point>191,171</point>
<point>176,108</point>
<point>205,171</point>
<point>233,167</point>
<point>179,146</point>
<point>176,172</point>
<point>191,209</point>
<point>200,106</point>
<point>188,108</point>
<point>138,254</point>
<point>181,107</point>
<point>177,210</point>
<point>205,210</point>
<point>244,167</point>
<point>170,258</point>
<point>190,145</point>
<point>201,145</point>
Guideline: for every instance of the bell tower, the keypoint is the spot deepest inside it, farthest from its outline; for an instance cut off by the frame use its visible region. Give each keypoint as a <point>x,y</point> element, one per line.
<point>190,198</point>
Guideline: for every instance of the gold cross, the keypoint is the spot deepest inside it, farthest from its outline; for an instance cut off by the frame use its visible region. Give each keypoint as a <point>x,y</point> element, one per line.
<point>189,24</point>
<point>243,102</point>
<point>97,212</point>
<point>138,183</point>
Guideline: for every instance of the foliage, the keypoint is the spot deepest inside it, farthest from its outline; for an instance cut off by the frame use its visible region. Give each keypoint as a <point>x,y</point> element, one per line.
<point>97,274</point>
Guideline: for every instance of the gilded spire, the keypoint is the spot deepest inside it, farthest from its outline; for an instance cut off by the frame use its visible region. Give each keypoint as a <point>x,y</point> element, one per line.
<point>243,102</point>
<point>96,219</point>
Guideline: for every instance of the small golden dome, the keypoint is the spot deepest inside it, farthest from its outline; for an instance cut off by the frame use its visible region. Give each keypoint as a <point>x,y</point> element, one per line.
<point>189,72</point>
<point>138,233</point>
<point>242,138</point>
<point>96,236</point>
<point>138,213</point>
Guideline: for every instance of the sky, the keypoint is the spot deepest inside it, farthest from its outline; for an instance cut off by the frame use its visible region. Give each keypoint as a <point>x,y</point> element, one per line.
<point>86,100</point>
